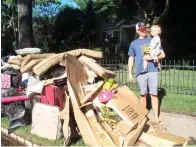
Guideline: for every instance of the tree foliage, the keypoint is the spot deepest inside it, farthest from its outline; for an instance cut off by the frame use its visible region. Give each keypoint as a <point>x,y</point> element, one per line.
<point>73,27</point>
<point>153,10</point>
<point>44,18</point>
<point>9,24</point>
<point>82,4</point>
<point>9,19</point>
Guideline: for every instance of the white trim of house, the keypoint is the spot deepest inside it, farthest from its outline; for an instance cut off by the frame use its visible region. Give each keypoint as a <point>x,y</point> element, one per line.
<point>110,28</point>
<point>126,26</point>
<point>137,18</point>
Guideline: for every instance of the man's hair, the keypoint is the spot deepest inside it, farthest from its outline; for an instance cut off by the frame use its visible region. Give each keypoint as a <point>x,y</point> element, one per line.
<point>157,26</point>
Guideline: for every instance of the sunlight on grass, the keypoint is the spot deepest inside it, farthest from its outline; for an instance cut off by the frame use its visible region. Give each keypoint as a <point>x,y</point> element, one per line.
<point>176,103</point>
<point>181,104</point>
<point>24,132</point>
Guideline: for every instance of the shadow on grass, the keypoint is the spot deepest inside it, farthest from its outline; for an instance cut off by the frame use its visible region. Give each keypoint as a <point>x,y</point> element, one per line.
<point>161,94</point>
<point>192,141</point>
<point>77,142</point>
<point>73,141</point>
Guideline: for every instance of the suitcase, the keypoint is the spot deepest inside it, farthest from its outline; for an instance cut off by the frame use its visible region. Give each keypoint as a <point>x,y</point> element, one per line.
<point>53,96</point>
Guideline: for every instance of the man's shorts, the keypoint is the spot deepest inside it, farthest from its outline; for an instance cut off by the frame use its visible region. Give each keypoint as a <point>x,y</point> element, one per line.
<point>148,80</point>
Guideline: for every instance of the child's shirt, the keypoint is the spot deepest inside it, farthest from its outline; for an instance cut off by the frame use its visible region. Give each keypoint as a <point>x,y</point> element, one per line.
<point>155,45</point>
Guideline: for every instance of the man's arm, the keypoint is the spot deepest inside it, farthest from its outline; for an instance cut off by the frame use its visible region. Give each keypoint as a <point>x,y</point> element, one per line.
<point>130,64</point>
<point>162,55</point>
<point>130,67</point>
<point>131,54</point>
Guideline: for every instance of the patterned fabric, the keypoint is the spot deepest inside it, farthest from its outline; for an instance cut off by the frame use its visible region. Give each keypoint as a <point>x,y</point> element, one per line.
<point>5,81</point>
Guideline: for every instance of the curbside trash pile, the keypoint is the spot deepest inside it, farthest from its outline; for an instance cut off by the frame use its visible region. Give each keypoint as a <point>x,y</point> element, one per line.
<point>70,95</point>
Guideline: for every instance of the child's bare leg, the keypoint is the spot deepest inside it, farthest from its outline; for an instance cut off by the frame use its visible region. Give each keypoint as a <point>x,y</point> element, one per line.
<point>145,64</point>
<point>159,64</point>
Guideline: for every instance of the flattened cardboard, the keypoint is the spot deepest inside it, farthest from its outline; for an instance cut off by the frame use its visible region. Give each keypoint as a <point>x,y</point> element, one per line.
<point>81,120</point>
<point>124,109</point>
<point>125,92</point>
<point>177,139</point>
<point>124,127</point>
<point>116,134</point>
<point>158,141</point>
<point>49,126</point>
<point>101,135</point>
<point>132,137</point>
<point>64,114</point>
<point>128,107</point>
<point>75,92</point>
<point>126,140</point>
<point>96,90</point>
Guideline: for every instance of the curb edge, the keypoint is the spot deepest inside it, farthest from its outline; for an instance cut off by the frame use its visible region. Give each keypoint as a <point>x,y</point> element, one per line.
<point>18,138</point>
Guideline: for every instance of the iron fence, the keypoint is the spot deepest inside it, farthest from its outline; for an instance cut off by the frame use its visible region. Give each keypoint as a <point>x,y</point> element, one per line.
<point>175,77</point>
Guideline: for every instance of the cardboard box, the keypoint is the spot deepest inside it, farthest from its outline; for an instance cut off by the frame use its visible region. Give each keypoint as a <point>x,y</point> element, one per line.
<point>128,107</point>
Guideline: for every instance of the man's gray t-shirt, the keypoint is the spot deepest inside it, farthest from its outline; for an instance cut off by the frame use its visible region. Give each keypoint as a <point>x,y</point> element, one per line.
<point>135,50</point>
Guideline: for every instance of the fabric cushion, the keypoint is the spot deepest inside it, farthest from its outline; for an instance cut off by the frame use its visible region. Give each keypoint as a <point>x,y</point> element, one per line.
<point>29,66</point>
<point>95,67</point>
<point>34,56</point>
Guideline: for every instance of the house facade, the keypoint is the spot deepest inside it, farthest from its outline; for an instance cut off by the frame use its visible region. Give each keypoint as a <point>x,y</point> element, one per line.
<point>119,33</point>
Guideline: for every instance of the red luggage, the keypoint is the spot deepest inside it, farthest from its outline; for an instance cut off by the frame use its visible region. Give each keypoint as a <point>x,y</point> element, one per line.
<point>53,96</point>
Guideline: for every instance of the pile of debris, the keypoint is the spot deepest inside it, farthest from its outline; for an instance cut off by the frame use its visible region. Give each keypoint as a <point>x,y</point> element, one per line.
<point>71,95</point>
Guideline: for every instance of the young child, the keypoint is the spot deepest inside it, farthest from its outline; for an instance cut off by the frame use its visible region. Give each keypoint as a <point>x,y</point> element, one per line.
<point>155,47</point>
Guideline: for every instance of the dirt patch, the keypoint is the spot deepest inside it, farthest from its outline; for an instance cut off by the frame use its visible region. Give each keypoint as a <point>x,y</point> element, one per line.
<point>8,141</point>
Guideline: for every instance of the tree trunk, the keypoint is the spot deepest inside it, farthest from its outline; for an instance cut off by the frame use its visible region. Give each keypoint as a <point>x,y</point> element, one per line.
<point>25,31</point>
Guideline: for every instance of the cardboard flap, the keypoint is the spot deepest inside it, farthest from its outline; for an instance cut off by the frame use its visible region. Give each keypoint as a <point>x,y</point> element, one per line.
<point>156,141</point>
<point>64,114</point>
<point>125,92</point>
<point>96,68</point>
<point>75,93</point>
<point>127,106</point>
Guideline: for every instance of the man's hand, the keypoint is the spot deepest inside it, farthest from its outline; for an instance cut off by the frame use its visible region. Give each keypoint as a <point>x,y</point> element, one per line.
<point>147,58</point>
<point>131,80</point>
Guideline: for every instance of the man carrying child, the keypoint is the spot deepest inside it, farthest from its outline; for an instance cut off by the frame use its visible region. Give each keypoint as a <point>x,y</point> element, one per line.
<point>149,78</point>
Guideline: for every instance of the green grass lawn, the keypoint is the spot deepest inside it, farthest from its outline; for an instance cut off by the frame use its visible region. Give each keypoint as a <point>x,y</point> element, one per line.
<point>24,132</point>
<point>181,104</point>
<point>176,103</point>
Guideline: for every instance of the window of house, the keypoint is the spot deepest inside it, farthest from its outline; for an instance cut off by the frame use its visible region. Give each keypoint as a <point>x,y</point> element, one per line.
<point>116,36</point>
<point>103,35</point>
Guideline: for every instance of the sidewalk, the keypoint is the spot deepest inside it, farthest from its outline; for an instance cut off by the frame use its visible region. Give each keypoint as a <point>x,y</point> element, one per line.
<point>176,124</point>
